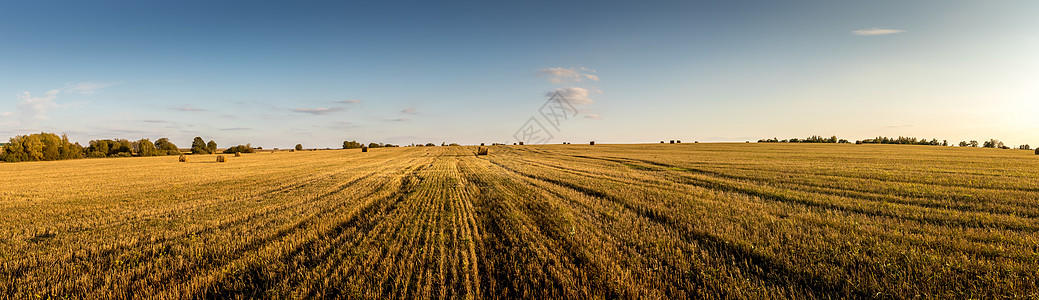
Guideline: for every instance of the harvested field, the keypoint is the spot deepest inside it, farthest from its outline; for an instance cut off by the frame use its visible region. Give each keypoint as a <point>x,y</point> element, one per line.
<point>695,220</point>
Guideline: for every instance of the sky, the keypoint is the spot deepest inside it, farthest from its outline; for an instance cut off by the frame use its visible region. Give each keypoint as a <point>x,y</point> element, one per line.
<point>317,73</point>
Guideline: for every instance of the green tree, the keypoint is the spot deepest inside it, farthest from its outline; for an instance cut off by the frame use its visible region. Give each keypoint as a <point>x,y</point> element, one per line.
<point>211,146</point>
<point>351,145</point>
<point>198,146</point>
<point>146,148</point>
<point>164,147</point>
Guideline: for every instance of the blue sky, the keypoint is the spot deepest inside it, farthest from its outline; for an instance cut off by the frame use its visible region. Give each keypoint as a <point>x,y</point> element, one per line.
<point>279,73</point>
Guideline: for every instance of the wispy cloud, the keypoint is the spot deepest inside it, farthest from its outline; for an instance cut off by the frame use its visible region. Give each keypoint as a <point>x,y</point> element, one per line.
<point>350,101</point>
<point>409,110</point>
<point>593,116</point>
<point>319,110</point>
<point>236,128</point>
<point>187,107</point>
<point>560,75</point>
<point>900,126</point>
<point>89,87</point>
<point>877,31</point>
<point>399,120</point>
<point>576,95</point>
<point>35,107</point>
<point>342,125</point>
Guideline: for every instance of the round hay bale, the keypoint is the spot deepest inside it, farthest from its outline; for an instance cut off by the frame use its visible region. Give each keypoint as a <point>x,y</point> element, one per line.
<point>481,144</point>
<point>237,154</point>
<point>592,143</point>
<point>183,158</point>
<point>364,149</point>
<point>220,158</point>
<point>482,151</point>
<point>1037,151</point>
<point>672,141</point>
<point>521,144</point>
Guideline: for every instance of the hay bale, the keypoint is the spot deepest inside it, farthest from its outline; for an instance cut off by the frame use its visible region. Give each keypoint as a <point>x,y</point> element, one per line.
<point>672,141</point>
<point>521,144</point>
<point>183,158</point>
<point>364,149</point>
<point>482,151</point>
<point>220,158</point>
<point>592,143</point>
<point>678,141</point>
<point>481,144</point>
<point>237,154</point>
<point>1037,151</point>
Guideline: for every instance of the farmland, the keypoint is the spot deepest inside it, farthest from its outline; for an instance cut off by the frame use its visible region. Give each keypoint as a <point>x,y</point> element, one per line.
<point>561,221</point>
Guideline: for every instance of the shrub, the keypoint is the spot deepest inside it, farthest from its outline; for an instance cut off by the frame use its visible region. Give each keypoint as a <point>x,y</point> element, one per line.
<point>220,158</point>
<point>247,148</point>
<point>183,158</point>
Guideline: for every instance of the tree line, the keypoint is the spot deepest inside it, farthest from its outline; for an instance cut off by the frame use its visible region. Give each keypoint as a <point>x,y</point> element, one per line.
<point>49,146</point>
<point>811,139</point>
<point>901,140</point>
<point>356,145</point>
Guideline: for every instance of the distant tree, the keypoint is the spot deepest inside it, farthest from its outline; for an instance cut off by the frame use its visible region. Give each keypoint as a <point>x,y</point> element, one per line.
<point>945,143</point>
<point>198,146</point>
<point>430,145</point>
<point>299,147</point>
<point>211,146</point>
<point>973,143</point>
<point>1024,147</point>
<point>374,145</point>
<point>146,148</point>
<point>351,145</point>
<point>456,144</point>
<point>993,143</point>
<point>164,147</point>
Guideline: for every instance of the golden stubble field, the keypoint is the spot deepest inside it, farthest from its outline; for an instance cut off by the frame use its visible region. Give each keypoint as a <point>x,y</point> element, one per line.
<point>560,221</point>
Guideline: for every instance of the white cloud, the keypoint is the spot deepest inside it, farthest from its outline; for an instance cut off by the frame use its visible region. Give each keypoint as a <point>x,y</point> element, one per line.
<point>36,107</point>
<point>409,110</point>
<point>7,114</point>
<point>560,75</point>
<point>187,107</point>
<point>576,95</point>
<point>319,110</point>
<point>350,101</point>
<point>399,120</point>
<point>877,31</point>
<point>90,87</point>
<point>593,116</point>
